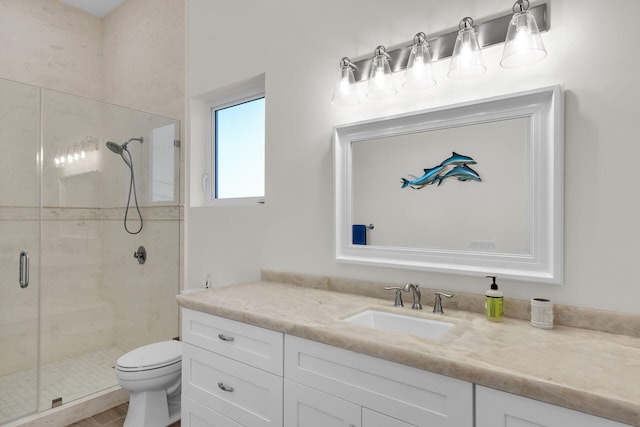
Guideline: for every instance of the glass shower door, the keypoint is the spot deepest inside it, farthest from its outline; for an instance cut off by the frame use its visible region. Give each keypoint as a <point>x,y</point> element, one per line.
<point>19,248</point>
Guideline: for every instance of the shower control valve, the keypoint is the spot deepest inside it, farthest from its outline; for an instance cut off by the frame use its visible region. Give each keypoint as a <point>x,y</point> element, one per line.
<point>140,255</point>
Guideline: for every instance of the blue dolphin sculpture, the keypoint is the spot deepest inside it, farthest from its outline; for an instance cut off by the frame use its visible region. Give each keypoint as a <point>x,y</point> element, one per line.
<point>463,173</point>
<point>457,160</point>
<point>429,177</point>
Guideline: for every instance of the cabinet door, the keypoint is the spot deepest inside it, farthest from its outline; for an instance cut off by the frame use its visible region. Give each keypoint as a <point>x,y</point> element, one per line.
<point>499,409</point>
<point>376,419</point>
<point>404,393</point>
<point>307,407</point>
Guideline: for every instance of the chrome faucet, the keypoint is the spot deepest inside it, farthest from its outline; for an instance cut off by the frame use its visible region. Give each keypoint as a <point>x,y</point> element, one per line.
<point>437,305</point>
<point>415,290</point>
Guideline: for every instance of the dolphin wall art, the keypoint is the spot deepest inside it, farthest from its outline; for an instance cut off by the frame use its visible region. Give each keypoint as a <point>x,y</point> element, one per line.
<point>455,166</point>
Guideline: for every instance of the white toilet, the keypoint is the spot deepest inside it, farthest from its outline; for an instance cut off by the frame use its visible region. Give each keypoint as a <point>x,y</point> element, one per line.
<point>152,376</point>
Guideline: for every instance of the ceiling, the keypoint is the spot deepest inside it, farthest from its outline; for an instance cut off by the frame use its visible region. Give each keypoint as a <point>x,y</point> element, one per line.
<point>99,8</point>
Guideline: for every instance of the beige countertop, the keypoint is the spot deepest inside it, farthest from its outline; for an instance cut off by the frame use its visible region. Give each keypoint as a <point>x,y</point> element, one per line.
<point>585,370</point>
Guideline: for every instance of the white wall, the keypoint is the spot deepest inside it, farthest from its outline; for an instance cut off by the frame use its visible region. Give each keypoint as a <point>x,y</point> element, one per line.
<point>299,44</point>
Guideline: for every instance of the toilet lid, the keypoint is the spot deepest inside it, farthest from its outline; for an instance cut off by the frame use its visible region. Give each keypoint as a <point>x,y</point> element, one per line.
<point>154,355</point>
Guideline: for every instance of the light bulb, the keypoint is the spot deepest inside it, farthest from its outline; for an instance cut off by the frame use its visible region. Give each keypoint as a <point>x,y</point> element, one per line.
<point>523,45</point>
<point>520,40</point>
<point>345,92</point>
<point>379,76</point>
<point>380,79</point>
<point>419,74</point>
<point>466,61</point>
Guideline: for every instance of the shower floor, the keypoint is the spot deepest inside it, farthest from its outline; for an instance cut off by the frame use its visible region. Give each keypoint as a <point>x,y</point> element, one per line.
<point>69,379</point>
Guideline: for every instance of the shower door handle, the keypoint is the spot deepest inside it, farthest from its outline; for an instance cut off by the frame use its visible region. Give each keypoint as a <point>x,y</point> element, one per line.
<point>24,269</point>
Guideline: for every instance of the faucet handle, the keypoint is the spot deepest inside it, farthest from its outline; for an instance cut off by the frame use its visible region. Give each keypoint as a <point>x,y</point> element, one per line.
<point>398,302</point>
<point>437,305</point>
<point>443,294</point>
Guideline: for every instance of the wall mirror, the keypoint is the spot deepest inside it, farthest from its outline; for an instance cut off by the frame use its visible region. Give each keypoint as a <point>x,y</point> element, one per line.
<point>473,188</point>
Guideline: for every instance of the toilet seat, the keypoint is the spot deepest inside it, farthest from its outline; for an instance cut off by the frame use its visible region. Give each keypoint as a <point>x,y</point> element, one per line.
<point>152,356</point>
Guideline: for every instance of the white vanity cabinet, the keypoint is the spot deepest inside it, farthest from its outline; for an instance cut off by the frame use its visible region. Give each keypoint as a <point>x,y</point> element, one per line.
<point>235,374</point>
<point>496,408</point>
<point>327,386</point>
<point>231,373</point>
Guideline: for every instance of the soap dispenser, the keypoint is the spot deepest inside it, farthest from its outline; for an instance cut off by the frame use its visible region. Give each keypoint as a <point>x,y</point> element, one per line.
<point>494,302</point>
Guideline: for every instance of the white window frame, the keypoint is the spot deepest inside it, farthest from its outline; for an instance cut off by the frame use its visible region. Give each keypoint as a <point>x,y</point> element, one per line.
<point>210,180</point>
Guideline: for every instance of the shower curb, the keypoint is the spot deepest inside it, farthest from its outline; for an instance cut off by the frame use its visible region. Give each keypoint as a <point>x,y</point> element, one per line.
<point>75,411</point>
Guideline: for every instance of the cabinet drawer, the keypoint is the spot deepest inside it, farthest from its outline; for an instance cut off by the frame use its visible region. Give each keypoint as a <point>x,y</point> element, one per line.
<point>194,414</point>
<point>375,419</point>
<point>305,406</point>
<point>249,344</point>
<point>499,409</point>
<point>410,395</point>
<point>247,395</point>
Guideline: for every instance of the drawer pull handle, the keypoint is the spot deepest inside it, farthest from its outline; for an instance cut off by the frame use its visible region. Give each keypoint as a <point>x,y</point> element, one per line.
<point>223,337</point>
<point>225,387</point>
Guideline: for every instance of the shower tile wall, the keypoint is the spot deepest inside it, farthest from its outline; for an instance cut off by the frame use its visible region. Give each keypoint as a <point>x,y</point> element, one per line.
<point>96,295</point>
<point>143,50</point>
<point>46,43</point>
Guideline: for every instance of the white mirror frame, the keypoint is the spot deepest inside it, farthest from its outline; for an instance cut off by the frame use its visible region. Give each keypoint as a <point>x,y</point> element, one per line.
<point>544,262</point>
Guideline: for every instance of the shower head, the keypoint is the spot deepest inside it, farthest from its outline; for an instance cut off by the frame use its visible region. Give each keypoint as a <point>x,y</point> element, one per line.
<point>118,149</point>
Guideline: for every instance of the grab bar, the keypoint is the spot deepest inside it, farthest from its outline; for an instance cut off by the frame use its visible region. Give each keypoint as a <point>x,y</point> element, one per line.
<point>24,269</point>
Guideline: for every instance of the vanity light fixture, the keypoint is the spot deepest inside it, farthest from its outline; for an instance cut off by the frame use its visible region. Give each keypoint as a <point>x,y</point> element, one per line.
<point>380,79</point>
<point>345,92</point>
<point>523,45</point>
<point>466,61</point>
<point>524,21</point>
<point>419,73</point>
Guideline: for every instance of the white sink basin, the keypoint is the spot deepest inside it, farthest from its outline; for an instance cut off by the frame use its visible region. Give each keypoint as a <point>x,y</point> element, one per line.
<point>425,328</point>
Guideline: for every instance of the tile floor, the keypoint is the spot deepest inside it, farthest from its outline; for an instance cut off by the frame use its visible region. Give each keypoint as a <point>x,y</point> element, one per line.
<point>70,379</point>
<point>112,418</point>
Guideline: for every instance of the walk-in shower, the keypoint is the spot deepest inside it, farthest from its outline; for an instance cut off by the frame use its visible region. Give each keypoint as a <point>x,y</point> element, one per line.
<point>124,152</point>
<point>62,200</point>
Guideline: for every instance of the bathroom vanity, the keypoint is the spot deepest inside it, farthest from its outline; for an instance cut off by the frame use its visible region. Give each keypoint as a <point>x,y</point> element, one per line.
<point>273,354</point>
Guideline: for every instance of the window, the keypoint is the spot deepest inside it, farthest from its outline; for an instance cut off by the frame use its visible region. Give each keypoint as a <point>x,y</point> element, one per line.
<point>238,147</point>
<point>227,144</point>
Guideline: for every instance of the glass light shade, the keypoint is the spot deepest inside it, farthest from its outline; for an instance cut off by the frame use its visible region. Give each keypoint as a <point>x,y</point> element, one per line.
<point>345,93</point>
<point>466,61</point>
<point>380,79</point>
<point>419,73</point>
<point>523,45</point>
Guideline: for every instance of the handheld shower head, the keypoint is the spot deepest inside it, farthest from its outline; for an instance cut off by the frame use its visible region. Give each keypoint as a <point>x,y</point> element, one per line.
<point>128,160</point>
<point>118,149</point>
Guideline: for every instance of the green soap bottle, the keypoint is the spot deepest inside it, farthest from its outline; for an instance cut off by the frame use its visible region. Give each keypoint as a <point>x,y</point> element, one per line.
<point>494,303</point>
